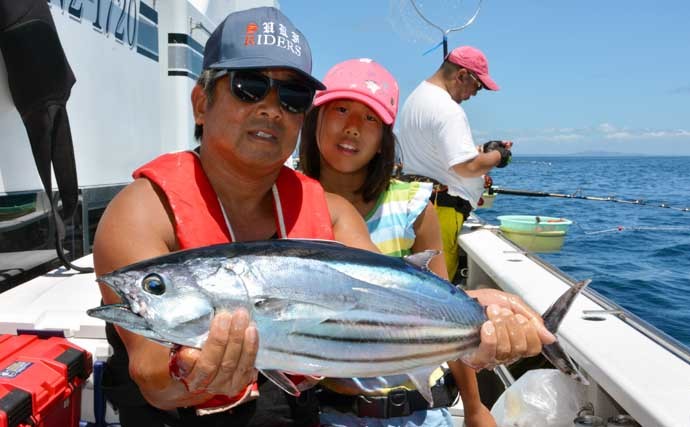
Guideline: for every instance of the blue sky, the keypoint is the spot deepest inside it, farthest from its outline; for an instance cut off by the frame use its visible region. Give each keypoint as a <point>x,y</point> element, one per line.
<point>575,76</point>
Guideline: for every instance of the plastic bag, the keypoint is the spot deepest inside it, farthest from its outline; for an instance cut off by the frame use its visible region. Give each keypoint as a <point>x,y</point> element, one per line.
<point>540,398</point>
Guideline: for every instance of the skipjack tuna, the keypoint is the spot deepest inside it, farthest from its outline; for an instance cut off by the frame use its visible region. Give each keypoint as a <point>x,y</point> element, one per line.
<point>320,308</point>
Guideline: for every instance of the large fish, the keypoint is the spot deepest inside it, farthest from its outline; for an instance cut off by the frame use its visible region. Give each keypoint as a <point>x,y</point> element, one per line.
<point>321,308</point>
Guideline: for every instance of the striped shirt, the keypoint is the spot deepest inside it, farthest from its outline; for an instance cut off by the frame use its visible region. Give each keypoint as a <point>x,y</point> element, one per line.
<point>391,222</point>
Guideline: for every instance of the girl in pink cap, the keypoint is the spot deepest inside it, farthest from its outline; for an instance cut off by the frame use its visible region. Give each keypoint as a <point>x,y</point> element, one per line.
<point>347,143</point>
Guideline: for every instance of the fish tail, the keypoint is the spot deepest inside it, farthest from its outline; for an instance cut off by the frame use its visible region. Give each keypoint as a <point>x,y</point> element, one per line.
<point>553,317</point>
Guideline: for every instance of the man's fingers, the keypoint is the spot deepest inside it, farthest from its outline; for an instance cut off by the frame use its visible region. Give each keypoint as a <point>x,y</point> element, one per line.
<point>233,350</point>
<point>229,369</point>
<point>186,359</point>
<point>225,364</point>
<point>245,372</point>
<point>485,356</point>
<point>518,340</point>
<point>520,307</point>
<point>212,353</point>
<point>499,317</point>
<point>532,340</point>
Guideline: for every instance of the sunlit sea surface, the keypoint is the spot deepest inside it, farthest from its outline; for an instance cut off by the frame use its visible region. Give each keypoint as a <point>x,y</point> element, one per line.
<point>637,255</point>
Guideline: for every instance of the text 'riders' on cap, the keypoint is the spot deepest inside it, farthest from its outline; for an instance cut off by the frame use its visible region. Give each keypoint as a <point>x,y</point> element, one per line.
<point>259,38</point>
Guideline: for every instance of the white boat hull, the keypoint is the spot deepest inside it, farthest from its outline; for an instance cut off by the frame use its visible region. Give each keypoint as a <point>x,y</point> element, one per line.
<point>631,364</point>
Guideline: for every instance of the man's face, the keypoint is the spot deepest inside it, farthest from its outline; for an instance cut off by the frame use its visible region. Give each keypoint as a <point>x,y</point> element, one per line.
<point>466,85</point>
<point>256,135</point>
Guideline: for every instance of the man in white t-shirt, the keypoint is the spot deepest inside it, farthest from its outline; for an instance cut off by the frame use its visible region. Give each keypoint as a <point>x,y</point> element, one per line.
<point>437,143</point>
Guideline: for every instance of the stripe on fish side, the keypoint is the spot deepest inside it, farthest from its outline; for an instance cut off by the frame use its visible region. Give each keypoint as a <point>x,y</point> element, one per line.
<point>382,340</point>
<point>379,323</point>
<point>450,352</point>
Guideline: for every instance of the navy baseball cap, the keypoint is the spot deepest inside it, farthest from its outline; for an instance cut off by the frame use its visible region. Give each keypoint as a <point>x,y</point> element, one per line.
<point>259,38</point>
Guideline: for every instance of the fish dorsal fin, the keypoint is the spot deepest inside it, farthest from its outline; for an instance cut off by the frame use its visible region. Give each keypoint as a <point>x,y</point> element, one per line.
<point>281,380</point>
<point>420,378</point>
<point>421,259</point>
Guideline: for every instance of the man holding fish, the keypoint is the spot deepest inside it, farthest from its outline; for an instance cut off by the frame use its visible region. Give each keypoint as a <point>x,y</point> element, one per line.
<point>248,106</point>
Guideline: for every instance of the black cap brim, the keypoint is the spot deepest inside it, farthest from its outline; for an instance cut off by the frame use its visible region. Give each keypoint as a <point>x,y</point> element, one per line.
<point>266,63</point>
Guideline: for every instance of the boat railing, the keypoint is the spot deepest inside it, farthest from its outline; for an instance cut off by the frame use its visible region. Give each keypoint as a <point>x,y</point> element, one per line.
<point>610,308</point>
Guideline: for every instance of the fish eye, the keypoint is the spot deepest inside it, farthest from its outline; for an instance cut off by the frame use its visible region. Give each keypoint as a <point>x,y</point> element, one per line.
<point>153,284</point>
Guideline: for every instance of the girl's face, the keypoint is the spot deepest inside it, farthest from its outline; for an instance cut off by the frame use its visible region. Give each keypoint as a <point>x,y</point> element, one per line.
<point>349,135</point>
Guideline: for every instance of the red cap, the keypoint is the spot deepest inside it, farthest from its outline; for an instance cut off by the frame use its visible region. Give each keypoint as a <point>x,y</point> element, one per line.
<point>474,60</point>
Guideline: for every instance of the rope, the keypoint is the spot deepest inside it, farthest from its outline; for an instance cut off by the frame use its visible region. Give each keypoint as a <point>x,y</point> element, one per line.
<point>621,228</point>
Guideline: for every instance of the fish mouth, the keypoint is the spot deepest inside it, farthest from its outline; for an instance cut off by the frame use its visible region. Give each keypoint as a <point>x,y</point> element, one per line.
<point>122,315</point>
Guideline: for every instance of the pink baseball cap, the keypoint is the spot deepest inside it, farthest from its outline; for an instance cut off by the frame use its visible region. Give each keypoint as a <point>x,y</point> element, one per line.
<point>365,81</point>
<point>474,60</point>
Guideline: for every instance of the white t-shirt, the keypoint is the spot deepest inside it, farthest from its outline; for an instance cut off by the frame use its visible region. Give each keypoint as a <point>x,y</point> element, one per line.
<point>435,135</point>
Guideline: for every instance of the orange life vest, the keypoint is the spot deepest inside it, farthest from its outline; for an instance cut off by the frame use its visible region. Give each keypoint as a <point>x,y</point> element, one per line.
<point>300,210</point>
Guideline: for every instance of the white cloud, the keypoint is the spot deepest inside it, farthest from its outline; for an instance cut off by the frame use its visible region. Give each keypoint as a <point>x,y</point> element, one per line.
<point>619,135</point>
<point>600,132</point>
<point>568,137</point>
<point>649,134</point>
<point>607,128</point>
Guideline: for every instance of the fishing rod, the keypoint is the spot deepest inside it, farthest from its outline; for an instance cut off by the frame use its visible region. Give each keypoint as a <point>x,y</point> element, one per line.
<point>449,30</point>
<point>578,195</point>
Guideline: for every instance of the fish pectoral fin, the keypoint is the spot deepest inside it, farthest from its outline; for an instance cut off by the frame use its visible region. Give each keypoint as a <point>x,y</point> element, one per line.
<point>421,259</point>
<point>281,380</point>
<point>286,309</point>
<point>420,379</point>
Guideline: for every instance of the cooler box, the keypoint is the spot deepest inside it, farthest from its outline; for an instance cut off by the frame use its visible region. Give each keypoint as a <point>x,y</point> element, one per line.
<point>41,381</point>
<point>56,304</point>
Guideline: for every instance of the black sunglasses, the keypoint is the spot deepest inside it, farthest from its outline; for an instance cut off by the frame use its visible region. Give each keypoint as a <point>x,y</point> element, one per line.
<point>252,86</point>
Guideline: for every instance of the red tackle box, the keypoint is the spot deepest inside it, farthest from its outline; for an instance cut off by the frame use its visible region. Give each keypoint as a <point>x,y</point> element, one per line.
<point>41,380</point>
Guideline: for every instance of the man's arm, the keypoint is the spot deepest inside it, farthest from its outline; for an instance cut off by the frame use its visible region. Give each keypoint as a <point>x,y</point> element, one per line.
<point>479,165</point>
<point>486,160</point>
<point>136,226</point>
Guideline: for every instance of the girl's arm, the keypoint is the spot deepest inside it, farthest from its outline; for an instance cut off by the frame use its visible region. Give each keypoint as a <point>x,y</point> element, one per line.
<point>428,236</point>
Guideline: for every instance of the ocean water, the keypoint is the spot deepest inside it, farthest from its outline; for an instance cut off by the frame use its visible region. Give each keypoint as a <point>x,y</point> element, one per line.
<point>636,255</point>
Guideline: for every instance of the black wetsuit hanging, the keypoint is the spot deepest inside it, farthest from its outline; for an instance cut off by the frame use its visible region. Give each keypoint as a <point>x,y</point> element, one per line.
<point>40,81</point>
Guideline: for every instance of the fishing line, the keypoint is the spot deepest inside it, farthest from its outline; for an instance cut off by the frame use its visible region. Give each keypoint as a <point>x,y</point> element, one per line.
<point>579,196</point>
<point>622,228</point>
